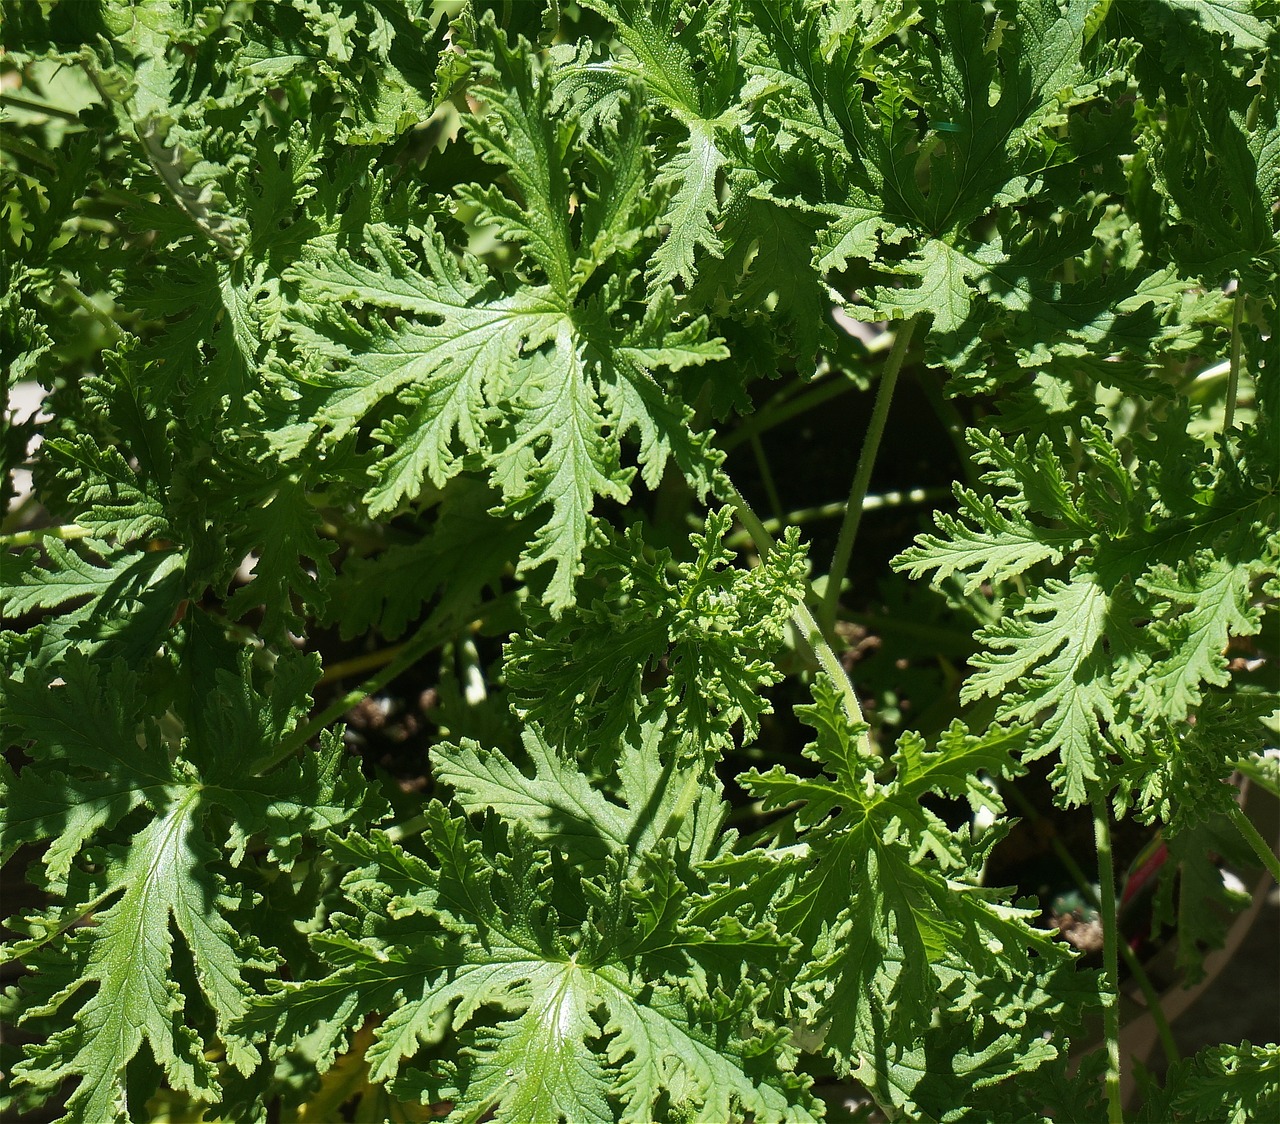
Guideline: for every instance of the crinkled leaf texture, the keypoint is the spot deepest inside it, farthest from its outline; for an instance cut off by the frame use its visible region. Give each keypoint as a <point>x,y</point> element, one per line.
<point>1160,579</point>
<point>921,983</point>
<point>539,374</point>
<point>149,840</point>
<point>566,958</point>
<point>1222,1085</point>
<point>325,359</point>
<point>705,628</point>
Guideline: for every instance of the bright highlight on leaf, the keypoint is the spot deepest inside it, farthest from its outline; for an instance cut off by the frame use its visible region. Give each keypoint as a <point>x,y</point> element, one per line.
<point>556,557</point>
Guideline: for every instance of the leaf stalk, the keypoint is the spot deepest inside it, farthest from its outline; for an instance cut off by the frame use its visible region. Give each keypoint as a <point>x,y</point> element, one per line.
<point>862,476</point>
<point>1163,1030</point>
<point>67,532</point>
<point>811,635</point>
<point>1233,371</point>
<point>427,637</point>
<point>1254,838</point>
<point>1110,956</point>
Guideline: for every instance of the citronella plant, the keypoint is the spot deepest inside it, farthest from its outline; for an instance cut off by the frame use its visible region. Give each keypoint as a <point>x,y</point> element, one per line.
<point>398,345</point>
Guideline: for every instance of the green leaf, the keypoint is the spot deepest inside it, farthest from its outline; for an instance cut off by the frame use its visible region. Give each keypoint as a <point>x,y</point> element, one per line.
<point>115,503</point>
<point>1227,1083</point>
<point>465,553</point>
<point>1231,18</point>
<point>289,556</point>
<point>129,600</point>
<point>712,627</point>
<point>541,389</point>
<point>560,807</point>
<point>902,938</point>
<point>989,547</point>
<point>101,759</point>
<point>577,1027</point>
<point>1138,627</point>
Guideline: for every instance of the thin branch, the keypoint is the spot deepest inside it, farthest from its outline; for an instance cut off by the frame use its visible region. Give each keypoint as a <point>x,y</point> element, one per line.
<point>33,106</point>
<point>1154,1007</point>
<point>862,475</point>
<point>1233,373</point>
<point>811,635</point>
<point>68,288</point>
<point>67,532</point>
<point>1253,837</point>
<point>1110,958</point>
<point>802,515</point>
<point>433,632</point>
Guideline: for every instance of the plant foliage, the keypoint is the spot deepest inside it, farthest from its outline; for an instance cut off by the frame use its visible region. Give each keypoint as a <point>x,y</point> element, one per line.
<point>400,342</point>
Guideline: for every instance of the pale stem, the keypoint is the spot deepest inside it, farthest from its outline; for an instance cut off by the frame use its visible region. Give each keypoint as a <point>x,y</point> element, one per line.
<point>803,515</point>
<point>862,475</point>
<point>67,532</point>
<point>431,634</point>
<point>68,289</point>
<point>1163,1030</point>
<point>805,624</point>
<point>1233,373</point>
<point>766,477</point>
<point>1253,837</point>
<point>1110,956</point>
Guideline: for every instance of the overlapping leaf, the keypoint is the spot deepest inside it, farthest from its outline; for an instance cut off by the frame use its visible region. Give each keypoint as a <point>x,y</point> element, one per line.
<point>135,841</point>
<point>707,629</point>
<point>985,108</point>
<point>540,380</point>
<point>611,986</point>
<point>902,939</point>
<point>1138,628</point>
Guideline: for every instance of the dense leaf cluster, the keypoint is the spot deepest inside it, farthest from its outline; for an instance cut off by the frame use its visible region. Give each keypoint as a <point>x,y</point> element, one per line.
<point>398,319</point>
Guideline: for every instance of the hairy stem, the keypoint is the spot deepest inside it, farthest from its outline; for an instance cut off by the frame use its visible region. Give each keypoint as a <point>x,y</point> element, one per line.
<point>16,146</point>
<point>862,475</point>
<point>67,288</point>
<point>344,669</point>
<point>811,635</point>
<point>1253,837</point>
<point>1110,958</point>
<point>32,105</point>
<point>778,411</point>
<point>67,532</point>
<point>766,478</point>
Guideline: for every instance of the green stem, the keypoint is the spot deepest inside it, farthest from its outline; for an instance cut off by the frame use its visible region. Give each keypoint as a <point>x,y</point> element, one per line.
<point>1233,374</point>
<point>766,478</point>
<point>68,289</point>
<point>432,633</point>
<point>67,532</point>
<point>1253,837</point>
<point>862,475</point>
<point>344,669</point>
<point>773,415</point>
<point>413,826</point>
<point>33,106</point>
<point>1163,1030</point>
<point>952,422</point>
<point>16,146</point>
<point>1110,958</point>
<point>802,515</point>
<point>811,636</point>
